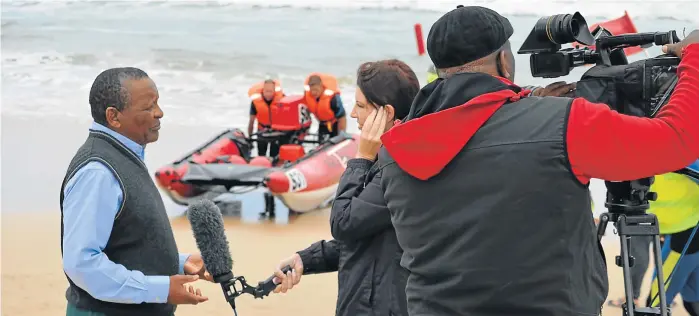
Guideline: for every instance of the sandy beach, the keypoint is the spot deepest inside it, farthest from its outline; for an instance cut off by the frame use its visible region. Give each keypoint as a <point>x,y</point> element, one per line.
<point>33,282</point>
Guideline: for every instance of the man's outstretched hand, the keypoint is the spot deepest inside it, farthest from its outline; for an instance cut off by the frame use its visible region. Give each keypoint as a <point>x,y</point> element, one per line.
<point>195,266</point>
<point>182,293</point>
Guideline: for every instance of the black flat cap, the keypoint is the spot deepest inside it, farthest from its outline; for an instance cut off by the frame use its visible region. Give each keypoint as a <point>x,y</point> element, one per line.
<point>466,34</point>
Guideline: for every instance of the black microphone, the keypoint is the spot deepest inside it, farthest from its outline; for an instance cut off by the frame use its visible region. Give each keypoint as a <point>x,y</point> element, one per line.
<point>207,225</point>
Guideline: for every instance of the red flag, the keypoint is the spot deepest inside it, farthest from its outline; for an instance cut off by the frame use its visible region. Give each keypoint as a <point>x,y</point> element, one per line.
<point>618,26</point>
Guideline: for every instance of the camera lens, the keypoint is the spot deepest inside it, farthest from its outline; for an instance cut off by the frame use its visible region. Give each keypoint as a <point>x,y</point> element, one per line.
<point>550,32</point>
<point>565,28</point>
<point>560,29</point>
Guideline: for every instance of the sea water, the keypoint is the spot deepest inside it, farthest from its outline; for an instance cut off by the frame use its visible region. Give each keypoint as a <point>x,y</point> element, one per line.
<point>204,55</point>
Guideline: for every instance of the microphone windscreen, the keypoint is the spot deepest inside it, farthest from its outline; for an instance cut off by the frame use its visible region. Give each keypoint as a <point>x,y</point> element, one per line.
<point>207,225</point>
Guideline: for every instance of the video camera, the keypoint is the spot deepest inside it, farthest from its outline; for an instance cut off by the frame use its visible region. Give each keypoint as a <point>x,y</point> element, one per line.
<point>638,89</point>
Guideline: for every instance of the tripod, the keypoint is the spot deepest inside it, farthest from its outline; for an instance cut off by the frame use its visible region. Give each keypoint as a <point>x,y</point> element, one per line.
<point>627,203</point>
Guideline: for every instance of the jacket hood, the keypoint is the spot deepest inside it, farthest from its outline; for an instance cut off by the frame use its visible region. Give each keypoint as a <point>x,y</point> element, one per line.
<point>442,119</point>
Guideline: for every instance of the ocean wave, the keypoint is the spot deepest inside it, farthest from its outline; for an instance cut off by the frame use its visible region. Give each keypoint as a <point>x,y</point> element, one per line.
<point>8,24</point>
<point>677,10</point>
<point>178,60</point>
<point>177,64</point>
<point>10,59</point>
<point>189,97</point>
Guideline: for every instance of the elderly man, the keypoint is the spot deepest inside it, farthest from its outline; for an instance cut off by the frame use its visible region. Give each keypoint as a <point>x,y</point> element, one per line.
<point>487,185</point>
<point>119,252</point>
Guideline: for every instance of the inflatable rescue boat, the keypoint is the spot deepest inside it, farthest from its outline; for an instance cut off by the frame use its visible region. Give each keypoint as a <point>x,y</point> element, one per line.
<point>304,175</point>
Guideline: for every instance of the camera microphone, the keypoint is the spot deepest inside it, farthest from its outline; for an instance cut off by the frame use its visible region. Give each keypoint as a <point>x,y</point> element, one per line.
<point>207,225</point>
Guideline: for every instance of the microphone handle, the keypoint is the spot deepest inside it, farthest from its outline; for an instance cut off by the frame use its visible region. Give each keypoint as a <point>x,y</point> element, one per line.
<point>267,286</point>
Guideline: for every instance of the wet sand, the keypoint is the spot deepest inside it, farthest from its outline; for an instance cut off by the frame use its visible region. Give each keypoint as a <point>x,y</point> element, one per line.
<point>33,282</point>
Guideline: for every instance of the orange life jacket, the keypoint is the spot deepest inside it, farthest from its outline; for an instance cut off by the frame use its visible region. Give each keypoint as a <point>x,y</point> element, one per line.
<point>263,114</point>
<point>321,108</point>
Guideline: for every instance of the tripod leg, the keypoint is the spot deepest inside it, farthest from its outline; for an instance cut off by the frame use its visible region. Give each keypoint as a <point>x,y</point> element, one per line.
<point>659,273</point>
<point>628,287</point>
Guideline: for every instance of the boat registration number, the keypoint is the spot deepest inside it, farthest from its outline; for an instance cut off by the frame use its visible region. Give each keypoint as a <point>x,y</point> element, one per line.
<point>297,181</point>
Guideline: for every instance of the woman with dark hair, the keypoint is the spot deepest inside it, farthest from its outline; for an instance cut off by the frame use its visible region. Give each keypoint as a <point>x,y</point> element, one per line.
<point>365,251</point>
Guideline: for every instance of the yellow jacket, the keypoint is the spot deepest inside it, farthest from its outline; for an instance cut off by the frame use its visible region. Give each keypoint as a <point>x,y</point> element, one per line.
<point>677,206</point>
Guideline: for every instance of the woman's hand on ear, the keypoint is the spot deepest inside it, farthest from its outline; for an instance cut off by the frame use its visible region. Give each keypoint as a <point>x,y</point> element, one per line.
<point>370,138</point>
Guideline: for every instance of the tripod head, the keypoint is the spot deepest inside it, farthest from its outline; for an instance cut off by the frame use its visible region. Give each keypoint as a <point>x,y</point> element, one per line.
<point>629,197</point>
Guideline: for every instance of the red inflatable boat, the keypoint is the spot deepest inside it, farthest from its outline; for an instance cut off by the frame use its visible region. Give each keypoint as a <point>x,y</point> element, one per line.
<point>303,176</point>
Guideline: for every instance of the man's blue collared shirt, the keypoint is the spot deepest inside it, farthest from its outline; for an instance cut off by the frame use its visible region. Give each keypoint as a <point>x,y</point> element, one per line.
<point>92,198</point>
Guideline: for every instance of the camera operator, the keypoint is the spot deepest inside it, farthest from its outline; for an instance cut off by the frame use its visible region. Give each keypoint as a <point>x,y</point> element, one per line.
<point>488,186</point>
